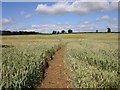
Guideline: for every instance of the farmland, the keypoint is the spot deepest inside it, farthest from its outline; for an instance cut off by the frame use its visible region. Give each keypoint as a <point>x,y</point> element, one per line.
<point>24,60</point>
<point>94,64</point>
<point>91,59</point>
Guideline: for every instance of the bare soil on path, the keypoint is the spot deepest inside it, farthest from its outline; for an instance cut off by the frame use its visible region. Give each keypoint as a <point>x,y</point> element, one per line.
<point>56,75</point>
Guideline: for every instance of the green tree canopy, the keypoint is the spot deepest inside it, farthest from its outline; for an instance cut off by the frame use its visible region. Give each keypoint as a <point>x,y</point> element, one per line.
<point>70,31</point>
<point>108,29</point>
<point>63,31</point>
<point>54,32</point>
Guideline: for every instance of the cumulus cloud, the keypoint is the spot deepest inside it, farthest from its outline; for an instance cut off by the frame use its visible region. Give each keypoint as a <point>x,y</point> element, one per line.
<point>25,14</point>
<point>58,8</point>
<point>80,7</point>
<point>7,21</point>
<point>108,19</point>
<point>50,27</point>
<point>85,26</point>
<point>114,27</point>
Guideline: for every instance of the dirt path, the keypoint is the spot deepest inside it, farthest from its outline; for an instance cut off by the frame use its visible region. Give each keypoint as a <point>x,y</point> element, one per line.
<point>56,75</point>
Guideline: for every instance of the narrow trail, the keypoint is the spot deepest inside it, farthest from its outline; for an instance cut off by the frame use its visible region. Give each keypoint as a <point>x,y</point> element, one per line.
<point>56,76</point>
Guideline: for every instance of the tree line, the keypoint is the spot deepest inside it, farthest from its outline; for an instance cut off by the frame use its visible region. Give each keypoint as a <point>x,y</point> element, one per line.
<point>17,32</point>
<point>62,32</point>
<point>71,31</point>
<point>108,30</point>
<point>3,32</point>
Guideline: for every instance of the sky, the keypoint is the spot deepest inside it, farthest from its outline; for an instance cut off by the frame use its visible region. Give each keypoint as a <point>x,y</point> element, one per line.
<point>44,17</point>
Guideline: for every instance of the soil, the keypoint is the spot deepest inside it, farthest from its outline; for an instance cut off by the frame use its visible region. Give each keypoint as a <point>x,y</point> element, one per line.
<point>56,75</point>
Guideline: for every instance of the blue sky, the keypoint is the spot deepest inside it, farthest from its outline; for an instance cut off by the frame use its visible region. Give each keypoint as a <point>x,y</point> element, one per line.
<point>49,16</point>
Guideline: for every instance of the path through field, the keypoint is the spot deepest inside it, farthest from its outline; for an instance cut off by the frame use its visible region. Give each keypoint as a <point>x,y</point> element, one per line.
<point>56,75</point>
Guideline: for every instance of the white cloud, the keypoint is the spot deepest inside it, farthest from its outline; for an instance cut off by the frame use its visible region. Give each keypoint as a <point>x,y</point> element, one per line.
<point>80,7</point>
<point>82,27</point>
<point>7,21</point>
<point>25,14</point>
<point>58,8</point>
<point>108,19</point>
<point>113,27</point>
<point>87,23</point>
<point>114,5</point>
<point>85,26</point>
<point>50,27</point>
<point>29,30</point>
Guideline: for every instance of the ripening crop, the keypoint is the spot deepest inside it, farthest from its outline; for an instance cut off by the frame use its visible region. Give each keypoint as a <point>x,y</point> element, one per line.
<point>23,65</point>
<point>93,63</point>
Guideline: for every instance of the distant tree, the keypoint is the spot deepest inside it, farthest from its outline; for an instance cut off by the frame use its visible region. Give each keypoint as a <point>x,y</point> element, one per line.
<point>63,31</point>
<point>54,32</point>
<point>58,32</point>
<point>96,30</point>
<point>70,31</point>
<point>108,30</point>
<point>17,32</point>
